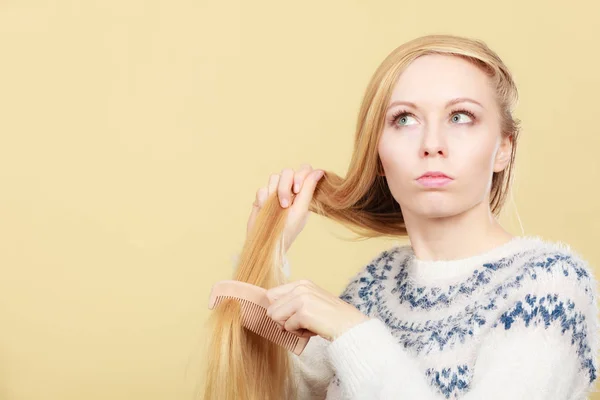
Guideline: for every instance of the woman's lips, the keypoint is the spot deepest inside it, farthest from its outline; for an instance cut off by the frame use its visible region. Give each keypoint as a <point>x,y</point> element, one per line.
<point>434,179</point>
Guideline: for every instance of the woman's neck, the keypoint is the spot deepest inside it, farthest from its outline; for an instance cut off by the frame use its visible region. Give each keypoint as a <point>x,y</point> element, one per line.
<point>461,236</point>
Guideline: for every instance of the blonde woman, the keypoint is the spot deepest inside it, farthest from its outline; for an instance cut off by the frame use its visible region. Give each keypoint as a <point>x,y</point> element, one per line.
<point>466,310</point>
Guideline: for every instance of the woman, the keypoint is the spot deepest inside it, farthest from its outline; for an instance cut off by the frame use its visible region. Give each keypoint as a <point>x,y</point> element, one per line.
<point>466,310</point>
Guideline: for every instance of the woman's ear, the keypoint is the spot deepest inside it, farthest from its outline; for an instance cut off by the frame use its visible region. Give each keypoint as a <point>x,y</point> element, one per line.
<point>504,154</point>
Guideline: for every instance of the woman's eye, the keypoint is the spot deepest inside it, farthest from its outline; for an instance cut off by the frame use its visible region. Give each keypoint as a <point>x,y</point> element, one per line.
<point>405,120</point>
<point>461,118</point>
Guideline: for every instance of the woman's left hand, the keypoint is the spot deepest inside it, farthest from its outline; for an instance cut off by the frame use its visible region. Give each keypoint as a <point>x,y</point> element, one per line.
<point>302,306</point>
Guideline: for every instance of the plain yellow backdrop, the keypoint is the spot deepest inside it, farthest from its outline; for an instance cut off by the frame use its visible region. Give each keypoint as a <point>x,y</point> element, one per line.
<point>134,135</point>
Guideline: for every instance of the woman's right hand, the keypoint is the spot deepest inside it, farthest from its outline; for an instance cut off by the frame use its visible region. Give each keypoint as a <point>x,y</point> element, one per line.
<point>295,190</point>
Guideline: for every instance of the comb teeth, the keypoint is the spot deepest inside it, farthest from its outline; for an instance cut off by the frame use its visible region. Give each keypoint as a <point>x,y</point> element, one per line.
<point>254,303</point>
<point>255,319</point>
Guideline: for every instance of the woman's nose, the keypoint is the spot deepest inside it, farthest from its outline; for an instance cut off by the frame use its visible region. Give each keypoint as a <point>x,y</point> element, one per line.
<point>433,143</point>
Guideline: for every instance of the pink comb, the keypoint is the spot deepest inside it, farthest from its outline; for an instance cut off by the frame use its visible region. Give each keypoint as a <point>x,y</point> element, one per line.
<point>254,303</point>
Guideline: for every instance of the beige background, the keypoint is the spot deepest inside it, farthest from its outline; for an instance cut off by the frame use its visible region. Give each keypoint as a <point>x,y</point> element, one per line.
<point>134,135</point>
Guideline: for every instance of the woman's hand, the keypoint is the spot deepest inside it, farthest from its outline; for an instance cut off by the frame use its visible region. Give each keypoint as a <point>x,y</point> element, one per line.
<point>295,189</point>
<point>302,306</point>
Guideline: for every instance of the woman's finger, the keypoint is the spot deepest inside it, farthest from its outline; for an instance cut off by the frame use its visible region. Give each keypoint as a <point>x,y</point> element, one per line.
<point>284,188</point>
<point>300,176</point>
<point>273,183</point>
<point>262,195</point>
<point>303,199</point>
<point>277,292</point>
<point>282,310</point>
<point>297,325</point>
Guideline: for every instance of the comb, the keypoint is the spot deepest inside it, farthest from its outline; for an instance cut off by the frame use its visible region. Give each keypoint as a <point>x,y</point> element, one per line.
<point>254,303</point>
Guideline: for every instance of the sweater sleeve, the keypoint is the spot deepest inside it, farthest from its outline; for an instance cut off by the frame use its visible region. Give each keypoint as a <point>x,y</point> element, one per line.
<point>312,370</point>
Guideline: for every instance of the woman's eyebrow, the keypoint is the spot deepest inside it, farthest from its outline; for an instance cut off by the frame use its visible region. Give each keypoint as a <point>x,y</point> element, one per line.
<point>463,100</point>
<point>449,104</point>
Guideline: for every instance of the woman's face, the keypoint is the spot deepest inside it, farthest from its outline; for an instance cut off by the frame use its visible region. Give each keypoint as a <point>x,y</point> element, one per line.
<point>442,139</point>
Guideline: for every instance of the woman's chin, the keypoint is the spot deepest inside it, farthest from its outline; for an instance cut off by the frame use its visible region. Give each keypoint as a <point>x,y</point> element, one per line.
<point>437,208</point>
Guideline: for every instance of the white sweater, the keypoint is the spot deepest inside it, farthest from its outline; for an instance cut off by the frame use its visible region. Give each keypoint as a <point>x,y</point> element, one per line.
<point>517,322</point>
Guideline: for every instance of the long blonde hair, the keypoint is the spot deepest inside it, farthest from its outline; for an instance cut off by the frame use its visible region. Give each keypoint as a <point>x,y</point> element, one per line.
<point>244,366</point>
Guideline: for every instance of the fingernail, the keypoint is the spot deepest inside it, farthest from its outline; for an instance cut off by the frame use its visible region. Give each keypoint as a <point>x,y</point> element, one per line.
<point>284,203</point>
<point>320,174</point>
<point>296,187</point>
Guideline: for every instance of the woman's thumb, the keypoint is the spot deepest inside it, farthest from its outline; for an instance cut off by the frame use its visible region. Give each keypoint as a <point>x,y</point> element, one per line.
<point>303,199</point>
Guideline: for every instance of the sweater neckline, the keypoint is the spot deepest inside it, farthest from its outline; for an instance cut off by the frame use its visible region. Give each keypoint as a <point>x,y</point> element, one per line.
<point>427,271</point>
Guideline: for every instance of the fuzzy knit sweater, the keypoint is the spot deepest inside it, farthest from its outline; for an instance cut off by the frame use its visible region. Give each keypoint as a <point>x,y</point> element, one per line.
<point>517,322</point>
